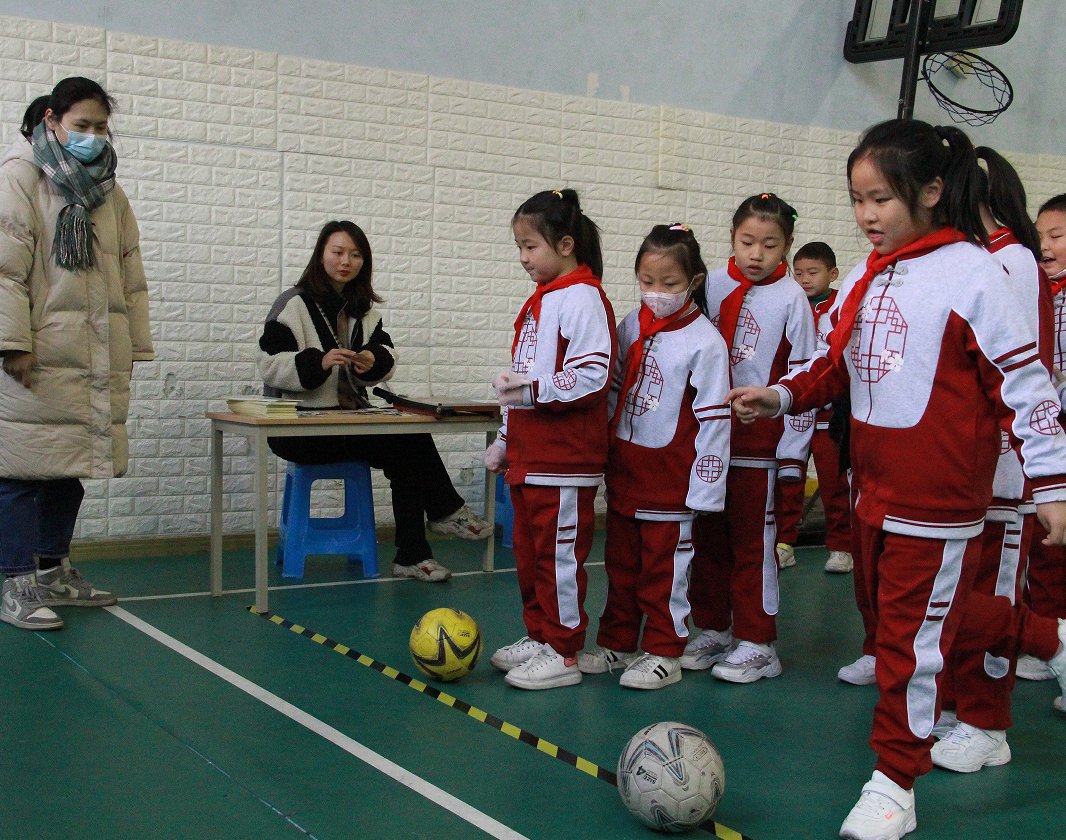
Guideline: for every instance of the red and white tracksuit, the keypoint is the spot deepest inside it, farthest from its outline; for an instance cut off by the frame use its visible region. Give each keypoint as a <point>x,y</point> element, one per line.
<point>669,455</point>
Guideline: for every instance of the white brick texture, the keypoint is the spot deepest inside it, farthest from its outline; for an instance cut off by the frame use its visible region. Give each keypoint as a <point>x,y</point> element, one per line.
<point>234,158</point>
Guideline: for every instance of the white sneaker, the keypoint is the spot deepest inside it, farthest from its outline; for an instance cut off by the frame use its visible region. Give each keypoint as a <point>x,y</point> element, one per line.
<point>885,811</point>
<point>706,649</point>
<point>464,524</point>
<point>1031,668</point>
<point>945,724</point>
<point>1057,665</point>
<point>651,671</point>
<point>967,749</point>
<point>429,571</point>
<point>839,562</point>
<point>63,586</point>
<point>748,662</point>
<point>511,656</point>
<point>547,669</point>
<point>786,556</point>
<point>600,660</point>
<point>22,605</point>
<point>859,672</point>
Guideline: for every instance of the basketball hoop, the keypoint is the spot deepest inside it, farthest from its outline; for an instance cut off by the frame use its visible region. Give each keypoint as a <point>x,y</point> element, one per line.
<point>967,74</point>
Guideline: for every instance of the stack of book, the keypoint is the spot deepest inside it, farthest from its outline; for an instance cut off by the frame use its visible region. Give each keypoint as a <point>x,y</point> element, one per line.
<point>263,406</point>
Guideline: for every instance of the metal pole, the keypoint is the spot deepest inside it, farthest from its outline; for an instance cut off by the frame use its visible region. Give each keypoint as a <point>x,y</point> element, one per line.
<point>921,13</point>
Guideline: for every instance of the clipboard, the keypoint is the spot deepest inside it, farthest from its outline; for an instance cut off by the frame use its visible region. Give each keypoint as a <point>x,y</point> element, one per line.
<point>436,408</point>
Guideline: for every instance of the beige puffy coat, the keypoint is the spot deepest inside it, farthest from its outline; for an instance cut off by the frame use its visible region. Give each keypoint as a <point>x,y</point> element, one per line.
<point>85,330</point>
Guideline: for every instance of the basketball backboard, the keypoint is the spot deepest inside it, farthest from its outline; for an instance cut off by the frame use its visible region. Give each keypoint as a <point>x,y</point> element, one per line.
<point>878,28</point>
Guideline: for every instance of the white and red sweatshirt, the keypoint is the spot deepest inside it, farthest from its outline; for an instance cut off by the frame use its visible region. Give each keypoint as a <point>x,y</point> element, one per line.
<point>934,360</point>
<point>670,450</point>
<point>823,325</point>
<point>775,334</point>
<point>568,355</point>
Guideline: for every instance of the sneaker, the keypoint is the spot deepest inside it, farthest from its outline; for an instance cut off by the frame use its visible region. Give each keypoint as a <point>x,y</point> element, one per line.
<point>511,656</point>
<point>885,811</point>
<point>1031,668</point>
<point>859,672</point>
<point>650,671</point>
<point>463,524</point>
<point>839,562</point>
<point>945,724</point>
<point>21,605</point>
<point>706,649</point>
<point>547,669</point>
<point>967,749</point>
<point>600,660</point>
<point>786,556</point>
<point>428,570</point>
<point>1057,665</point>
<point>64,586</point>
<point>747,663</point>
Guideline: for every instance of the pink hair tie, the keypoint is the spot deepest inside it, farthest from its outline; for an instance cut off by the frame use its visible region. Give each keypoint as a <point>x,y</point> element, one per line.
<point>681,226</point>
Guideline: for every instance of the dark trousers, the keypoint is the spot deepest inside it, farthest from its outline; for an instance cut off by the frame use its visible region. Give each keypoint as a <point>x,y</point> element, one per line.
<point>421,486</point>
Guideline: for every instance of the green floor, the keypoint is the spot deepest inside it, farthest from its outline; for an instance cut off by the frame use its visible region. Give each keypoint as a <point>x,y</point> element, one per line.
<point>111,734</point>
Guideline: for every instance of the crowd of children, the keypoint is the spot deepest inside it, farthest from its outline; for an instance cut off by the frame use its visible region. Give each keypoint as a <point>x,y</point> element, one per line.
<point>938,366</point>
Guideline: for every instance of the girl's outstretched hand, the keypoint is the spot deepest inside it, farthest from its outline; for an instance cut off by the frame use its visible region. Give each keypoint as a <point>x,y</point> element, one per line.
<point>496,459</point>
<point>749,403</point>
<point>1052,516</point>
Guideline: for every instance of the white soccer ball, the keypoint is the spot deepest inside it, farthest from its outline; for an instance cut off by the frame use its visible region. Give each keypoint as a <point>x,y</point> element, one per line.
<point>670,776</point>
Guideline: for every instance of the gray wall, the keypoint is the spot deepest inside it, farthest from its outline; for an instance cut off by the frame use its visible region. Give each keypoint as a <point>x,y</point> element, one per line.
<point>776,60</point>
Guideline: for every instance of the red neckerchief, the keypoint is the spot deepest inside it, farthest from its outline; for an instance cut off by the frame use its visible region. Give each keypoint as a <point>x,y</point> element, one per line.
<point>1058,283</point>
<point>875,264</point>
<point>1000,238</point>
<point>649,326</point>
<point>581,274</point>
<point>729,311</point>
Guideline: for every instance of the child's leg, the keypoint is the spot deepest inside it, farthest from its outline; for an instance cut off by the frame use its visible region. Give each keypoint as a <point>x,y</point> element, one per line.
<point>620,622</point>
<point>788,510</point>
<point>559,524</point>
<point>921,585</point>
<point>662,585</point>
<point>753,587</point>
<point>1046,576</point>
<point>834,490</point>
<point>865,588</point>
<point>712,567</point>
<point>524,539</point>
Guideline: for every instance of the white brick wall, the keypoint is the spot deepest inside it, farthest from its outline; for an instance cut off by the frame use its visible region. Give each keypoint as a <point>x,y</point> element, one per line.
<point>234,158</point>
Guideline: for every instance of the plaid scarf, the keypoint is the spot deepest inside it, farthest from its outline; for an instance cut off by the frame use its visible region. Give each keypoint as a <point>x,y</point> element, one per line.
<point>85,186</point>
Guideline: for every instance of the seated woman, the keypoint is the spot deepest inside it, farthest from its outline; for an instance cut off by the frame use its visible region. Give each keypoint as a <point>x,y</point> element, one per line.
<point>323,344</point>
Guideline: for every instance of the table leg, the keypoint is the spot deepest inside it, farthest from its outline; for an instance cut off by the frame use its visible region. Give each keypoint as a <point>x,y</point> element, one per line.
<point>216,511</point>
<point>260,521</point>
<point>489,560</point>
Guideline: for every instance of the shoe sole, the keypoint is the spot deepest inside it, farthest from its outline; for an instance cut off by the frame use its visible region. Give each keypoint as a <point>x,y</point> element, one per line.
<point>701,662</point>
<point>857,680</point>
<point>1035,676</point>
<point>535,685</point>
<point>997,759</point>
<point>32,625</point>
<point>905,829</point>
<point>670,680</point>
<point>838,571</point>
<point>770,671</point>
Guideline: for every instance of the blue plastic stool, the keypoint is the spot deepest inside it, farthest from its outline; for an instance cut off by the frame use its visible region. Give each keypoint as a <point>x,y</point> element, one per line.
<point>504,513</point>
<point>352,533</point>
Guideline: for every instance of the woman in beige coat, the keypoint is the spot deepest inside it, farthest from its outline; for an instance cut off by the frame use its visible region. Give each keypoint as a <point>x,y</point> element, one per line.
<point>73,319</point>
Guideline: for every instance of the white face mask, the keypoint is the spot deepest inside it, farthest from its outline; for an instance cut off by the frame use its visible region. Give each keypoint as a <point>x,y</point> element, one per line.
<point>663,304</point>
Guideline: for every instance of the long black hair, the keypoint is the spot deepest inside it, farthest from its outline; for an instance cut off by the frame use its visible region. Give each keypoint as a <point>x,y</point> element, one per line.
<point>1004,194</point>
<point>359,294</point>
<point>555,214</point>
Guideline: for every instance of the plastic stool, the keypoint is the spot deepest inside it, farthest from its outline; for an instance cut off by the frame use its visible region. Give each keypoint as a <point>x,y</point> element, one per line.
<point>504,513</point>
<point>352,533</point>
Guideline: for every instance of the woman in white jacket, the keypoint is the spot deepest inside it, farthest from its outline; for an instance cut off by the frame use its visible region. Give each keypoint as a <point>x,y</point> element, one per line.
<point>73,319</point>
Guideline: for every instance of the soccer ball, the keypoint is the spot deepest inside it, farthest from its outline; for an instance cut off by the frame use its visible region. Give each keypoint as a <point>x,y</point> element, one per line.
<point>670,776</point>
<point>445,644</point>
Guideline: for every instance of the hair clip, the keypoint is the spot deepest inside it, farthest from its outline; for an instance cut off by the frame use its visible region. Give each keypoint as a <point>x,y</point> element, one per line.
<point>766,195</point>
<point>681,226</point>
<point>557,193</point>
<point>795,217</point>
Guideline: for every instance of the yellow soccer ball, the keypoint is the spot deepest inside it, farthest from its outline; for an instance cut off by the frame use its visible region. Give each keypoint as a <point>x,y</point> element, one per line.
<point>445,644</point>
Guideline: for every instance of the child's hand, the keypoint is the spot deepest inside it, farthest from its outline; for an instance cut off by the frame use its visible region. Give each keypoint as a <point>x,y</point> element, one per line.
<point>1052,516</point>
<point>18,364</point>
<point>749,403</point>
<point>496,459</point>
<point>512,389</point>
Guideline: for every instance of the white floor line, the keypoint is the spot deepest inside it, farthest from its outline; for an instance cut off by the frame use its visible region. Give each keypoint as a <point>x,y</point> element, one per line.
<point>349,745</point>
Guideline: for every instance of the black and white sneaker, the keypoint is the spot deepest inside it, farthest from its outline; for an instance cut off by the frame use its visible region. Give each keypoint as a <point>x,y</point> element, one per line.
<point>651,671</point>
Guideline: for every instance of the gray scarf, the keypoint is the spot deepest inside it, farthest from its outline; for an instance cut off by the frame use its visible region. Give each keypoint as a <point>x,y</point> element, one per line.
<point>84,185</point>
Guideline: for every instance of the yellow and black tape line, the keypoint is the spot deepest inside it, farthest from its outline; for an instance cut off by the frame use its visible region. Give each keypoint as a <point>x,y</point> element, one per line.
<point>516,732</point>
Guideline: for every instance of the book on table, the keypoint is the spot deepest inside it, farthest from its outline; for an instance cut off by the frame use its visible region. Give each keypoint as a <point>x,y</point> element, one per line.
<point>263,406</point>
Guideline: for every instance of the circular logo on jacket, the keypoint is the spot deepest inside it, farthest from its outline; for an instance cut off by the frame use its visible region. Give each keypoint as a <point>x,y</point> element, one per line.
<point>801,422</point>
<point>1045,418</point>
<point>564,380</point>
<point>709,468</point>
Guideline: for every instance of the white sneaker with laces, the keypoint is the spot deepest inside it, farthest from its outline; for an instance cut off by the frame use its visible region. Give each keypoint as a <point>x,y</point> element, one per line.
<point>859,672</point>
<point>63,586</point>
<point>786,556</point>
<point>429,571</point>
<point>1031,668</point>
<point>464,524</point>
<point>547,669</point>
<point>651,671</point>
<point>511,656</point>
<point>600,660</point>
<point>945,724</point>
<point>839,562</point>
<point>885,811</point>
<point>21,605</point>
<point>1057,664</point>
<point>967,749</point>
<point>709,647</point>
<point>748,662</point>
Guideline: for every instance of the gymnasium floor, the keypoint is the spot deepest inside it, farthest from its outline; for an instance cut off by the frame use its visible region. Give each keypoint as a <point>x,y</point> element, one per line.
<point>178,716</point>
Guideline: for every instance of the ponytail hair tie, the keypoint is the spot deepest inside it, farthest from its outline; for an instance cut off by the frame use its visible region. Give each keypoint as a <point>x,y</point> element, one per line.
<point>767,195</point>
<point>557,193</point>
<point>681,226</point>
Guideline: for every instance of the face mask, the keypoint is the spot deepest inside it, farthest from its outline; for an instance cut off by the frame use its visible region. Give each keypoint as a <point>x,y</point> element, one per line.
<point>663,304</point>
<point>85,147</point>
